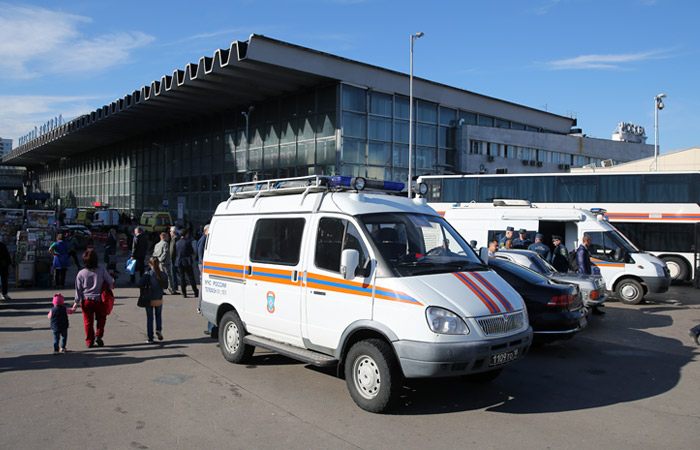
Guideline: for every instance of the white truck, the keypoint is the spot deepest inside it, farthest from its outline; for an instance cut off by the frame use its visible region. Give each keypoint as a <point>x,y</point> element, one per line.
<point>105,219</point>
<point>326,271</point>
<point>629,273</point>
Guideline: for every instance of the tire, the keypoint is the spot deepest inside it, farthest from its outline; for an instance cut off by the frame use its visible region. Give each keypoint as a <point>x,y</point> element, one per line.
<point>677,267</point>
<point>483,377</point>
<point>629,291</point>
<point>231,332</point>
<point>372,375</point>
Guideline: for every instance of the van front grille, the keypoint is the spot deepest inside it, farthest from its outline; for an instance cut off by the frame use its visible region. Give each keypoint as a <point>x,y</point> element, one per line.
<point>501,324</point>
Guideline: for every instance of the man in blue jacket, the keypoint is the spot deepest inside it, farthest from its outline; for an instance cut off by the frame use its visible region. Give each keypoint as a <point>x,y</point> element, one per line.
<point>583,257</point>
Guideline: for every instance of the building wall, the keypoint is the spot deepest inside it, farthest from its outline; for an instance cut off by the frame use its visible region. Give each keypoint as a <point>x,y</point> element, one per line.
<point>486,148</point>
<point>5,146</point>
<point>688,159</point>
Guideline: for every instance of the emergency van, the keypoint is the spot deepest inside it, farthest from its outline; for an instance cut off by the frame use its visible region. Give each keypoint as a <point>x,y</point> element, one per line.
<point>629,273</point>
<point>334,271</point>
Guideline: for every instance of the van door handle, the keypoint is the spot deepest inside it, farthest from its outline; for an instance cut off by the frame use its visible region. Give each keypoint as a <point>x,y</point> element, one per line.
<point>248,270</point>
<point>295,276</point>
<point>318,292</point>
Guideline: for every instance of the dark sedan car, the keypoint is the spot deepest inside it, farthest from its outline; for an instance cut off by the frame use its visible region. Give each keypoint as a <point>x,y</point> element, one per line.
<point>555,310</point>
<point>83,236</point>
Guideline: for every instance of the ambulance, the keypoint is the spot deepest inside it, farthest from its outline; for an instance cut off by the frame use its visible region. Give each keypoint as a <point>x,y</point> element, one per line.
<point>336,271</point>
<point>628,272</point>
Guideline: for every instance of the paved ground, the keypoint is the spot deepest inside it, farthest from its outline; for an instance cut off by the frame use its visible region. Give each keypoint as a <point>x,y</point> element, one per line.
<point>628,381</point>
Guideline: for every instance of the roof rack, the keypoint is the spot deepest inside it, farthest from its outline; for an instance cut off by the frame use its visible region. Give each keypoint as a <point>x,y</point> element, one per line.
<point>311,183</point>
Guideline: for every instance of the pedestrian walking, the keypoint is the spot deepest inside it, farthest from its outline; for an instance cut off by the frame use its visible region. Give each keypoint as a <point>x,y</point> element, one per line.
<point>161,251</point>
<point>158,281</point>
<point>61,260</point>
<point>540,247</point>
<point>559,257</point>
<point>184,262</point>
<point>111,250</point>
<point>139,249</point>
<point>88,293</point>
<point>5,263</point>
<point>201,245</point>
<point>59,323</point>
<point>493,248</point>
<point>174,279</point>
<point>72,245</point>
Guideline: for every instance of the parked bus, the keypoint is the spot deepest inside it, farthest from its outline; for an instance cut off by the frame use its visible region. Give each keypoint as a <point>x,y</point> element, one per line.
<point>658,211</point>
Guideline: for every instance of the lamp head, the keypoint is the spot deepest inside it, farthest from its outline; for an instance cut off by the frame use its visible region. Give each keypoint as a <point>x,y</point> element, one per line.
<point>417,35</point>
<point>660,105</point>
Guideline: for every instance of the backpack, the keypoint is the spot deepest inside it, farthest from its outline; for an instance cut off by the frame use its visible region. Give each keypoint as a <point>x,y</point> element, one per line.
<point>573,261</point>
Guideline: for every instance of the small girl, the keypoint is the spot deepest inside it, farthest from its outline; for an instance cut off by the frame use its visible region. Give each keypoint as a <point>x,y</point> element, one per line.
<point>59,323</point>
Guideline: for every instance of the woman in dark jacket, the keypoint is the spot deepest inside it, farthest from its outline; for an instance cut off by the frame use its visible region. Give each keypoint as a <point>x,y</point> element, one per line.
<point>157,280</point>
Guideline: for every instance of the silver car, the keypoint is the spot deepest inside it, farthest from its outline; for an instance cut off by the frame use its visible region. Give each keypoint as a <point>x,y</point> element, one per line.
<point>592,286</point>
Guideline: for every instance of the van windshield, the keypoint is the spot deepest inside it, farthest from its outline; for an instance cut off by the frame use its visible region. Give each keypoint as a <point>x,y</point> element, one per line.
<point>418,244</point>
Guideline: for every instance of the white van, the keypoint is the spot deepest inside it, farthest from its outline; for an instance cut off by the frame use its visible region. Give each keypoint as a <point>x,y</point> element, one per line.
<point>628,272</point>
<point>378,285</point>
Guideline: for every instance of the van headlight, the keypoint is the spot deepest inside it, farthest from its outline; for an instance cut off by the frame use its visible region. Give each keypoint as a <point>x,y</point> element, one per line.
<point>444,321</point>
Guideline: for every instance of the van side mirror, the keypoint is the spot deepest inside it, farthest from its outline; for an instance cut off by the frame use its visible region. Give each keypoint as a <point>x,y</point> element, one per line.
<point>484,255</point>
<point>349,260</point>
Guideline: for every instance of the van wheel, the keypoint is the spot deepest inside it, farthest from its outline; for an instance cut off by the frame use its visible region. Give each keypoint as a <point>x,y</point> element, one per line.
<point>483,377</point>
<point>629,291</point>
<point>372,375</point>
<point>231,334</point>
<point>677,268</point>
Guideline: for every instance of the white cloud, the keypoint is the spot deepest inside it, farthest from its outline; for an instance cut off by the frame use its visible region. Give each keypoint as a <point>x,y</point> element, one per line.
<point>544,9</point>
<point>21,113</point>
<point>35,41</point>
<point>608,62</point>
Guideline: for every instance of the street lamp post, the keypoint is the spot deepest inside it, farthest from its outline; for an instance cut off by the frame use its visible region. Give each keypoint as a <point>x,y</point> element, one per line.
<point>658,104</point>
<point>410,118</point>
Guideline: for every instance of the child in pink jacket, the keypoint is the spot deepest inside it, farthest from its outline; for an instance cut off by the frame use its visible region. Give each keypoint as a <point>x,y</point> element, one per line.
<point>59,323</point>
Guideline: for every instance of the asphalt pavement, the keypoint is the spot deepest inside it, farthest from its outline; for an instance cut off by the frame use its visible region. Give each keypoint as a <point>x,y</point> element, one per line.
<point>630,380</point>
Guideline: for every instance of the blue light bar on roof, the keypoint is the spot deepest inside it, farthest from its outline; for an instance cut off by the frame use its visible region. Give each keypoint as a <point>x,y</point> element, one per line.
<point>362,183</point>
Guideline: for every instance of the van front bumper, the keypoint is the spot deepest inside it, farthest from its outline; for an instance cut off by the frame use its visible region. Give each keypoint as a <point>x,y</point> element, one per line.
<point>428,359</point>
<point>657,285</point>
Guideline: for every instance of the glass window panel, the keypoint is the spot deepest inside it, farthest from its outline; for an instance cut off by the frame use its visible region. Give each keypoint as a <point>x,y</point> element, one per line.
<point>446,137</point>
<point>241,161</point>
<point>353,170</point>
<point>354,151</point>
<point>255,159</point>
<point>627,188</point>
<point>401,131</point>
<point>306,128</point>
<point>272,134</point>
<point>379,173</point>
<point>380,104</point>
<point>401,108</point>
<point>325,124</point>
<point>401,155</point>
<point>491,188</point>
<point>288,155</point>
<point>271,157</point>
<point>485,121</point>
<point>379,128</point>
<point>499,123</point>
<point>669,188</point>
<point>426,134</point>
<point>535,189</point>
<point>325,152</point>
<point>305,153</point>
<point>277,240</point>
<point>517,126</point>
<point>448,116</point>
<point>576,189</point>
<point>426,112</point>
<point>354,125</point>
<point>379,153</point>
<point>425,157</point>
<point>354,99</point>
<point>468,117</point>
<point>288,132</point>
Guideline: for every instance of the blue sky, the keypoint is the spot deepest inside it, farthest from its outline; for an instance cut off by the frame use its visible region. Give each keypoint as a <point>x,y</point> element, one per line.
<point>599,61</point>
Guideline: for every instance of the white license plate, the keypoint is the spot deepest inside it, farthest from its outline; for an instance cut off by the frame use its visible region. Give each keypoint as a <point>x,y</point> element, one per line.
<point>505,357</point>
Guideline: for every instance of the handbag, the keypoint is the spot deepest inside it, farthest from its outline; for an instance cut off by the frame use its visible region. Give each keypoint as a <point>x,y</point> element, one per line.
<point>145,296</point>
<point>131,266</point>
<point>107,297</point>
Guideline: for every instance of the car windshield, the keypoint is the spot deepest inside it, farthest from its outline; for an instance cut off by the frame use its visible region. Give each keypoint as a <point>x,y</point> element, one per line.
<point>418,244</point>
<point>623,241</point>
<point>525,273</point>
<point>540,265</point>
